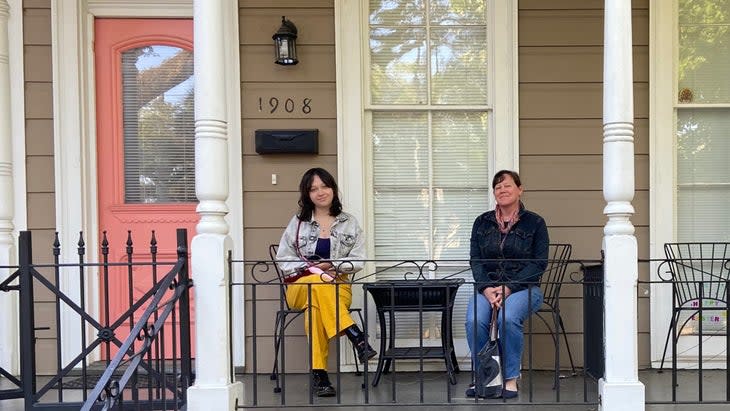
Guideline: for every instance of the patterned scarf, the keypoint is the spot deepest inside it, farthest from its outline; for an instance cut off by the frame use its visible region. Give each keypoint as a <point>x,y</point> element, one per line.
<point>511,220</point>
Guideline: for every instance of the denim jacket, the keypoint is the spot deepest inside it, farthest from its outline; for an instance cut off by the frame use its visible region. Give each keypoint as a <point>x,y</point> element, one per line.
<point>347,243</point>
<point>528,239</point>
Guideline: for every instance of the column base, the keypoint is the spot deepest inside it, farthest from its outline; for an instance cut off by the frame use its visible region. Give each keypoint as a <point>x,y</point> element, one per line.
<point>9,332</point>
<point>623,396</point>
<point>222,397</point>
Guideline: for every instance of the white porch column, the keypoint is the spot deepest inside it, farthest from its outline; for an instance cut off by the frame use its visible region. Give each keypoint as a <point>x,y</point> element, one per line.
<point>8,309</point>
<point>620,388</point>
<point>213,388</point>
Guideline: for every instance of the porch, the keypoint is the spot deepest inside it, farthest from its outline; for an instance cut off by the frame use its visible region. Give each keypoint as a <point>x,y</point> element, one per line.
<point>416,382</point>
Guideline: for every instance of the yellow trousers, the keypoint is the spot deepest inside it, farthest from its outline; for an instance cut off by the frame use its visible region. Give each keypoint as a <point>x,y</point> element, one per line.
<point>325,319</point>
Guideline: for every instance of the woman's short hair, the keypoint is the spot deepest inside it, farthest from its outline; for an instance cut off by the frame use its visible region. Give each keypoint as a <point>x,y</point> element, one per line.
<point>502,174</point>
<point>306,206</point>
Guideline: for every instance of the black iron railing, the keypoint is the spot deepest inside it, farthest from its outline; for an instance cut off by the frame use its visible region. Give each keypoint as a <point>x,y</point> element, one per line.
<point>123,357</point>
<point>420,372</point>
<point>137,354</point>
<point>9,290</point>
<point>424,370</point>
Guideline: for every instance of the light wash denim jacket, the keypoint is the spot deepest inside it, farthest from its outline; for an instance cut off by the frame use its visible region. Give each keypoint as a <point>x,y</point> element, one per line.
<point>347,243</point>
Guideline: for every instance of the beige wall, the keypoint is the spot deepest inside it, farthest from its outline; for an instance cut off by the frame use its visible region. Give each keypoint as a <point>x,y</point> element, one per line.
<point>561,137</point>
<point>268,207</point>
<point>39,163</point>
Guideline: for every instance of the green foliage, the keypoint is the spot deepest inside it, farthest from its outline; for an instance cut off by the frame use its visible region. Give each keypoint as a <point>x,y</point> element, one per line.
<point>704,45</point>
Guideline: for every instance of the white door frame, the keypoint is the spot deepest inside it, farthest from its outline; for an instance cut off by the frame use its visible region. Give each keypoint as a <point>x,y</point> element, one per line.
<point>74,118</point>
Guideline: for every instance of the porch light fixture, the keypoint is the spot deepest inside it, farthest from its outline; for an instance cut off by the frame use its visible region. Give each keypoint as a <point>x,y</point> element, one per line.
<point>285,43</point>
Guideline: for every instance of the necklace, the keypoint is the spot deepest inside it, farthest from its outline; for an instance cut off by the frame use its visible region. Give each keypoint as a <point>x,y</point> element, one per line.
<point>325,226</point>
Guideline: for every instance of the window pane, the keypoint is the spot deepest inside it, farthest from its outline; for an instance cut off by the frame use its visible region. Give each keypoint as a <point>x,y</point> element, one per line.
<point>460,149</point>
<point>454,212</point>
<point>401,224</point>
<point>703,174</point>
<point>397,13</point>
<point>459,65</point>
<point>703,214</point>
<point>458,13</point>
<point>398,62</point>
<point>703,146</point>
<point>400,149</point>
<point>704,51</point>
<point>158,125</point>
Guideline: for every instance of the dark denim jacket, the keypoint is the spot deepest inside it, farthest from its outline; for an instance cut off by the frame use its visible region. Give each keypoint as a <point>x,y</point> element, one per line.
<point>528,239</point>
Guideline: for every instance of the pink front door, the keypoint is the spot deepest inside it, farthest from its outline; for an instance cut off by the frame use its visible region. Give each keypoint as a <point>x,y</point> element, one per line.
<point>145,147</point>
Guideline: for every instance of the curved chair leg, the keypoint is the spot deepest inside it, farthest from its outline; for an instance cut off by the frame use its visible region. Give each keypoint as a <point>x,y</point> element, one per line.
<point>556,341</point>
<point>567,346</point>
<point>675,318</point>
<point>275,369</point>
<point>278,335</point>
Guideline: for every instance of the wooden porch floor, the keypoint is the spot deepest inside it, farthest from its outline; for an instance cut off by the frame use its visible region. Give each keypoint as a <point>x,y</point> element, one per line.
<point>408,393</point>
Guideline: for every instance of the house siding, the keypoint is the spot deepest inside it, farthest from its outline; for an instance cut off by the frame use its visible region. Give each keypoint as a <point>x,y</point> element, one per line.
<point>268,207</point>
<point>561,140</point>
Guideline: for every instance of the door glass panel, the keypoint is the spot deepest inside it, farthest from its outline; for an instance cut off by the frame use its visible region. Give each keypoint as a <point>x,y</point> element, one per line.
<point>158,125</point>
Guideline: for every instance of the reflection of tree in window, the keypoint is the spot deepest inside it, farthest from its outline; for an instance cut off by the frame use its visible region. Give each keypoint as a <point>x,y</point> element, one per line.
<point>157,84</point>
<point>402,52</point>
<point>704,49</point>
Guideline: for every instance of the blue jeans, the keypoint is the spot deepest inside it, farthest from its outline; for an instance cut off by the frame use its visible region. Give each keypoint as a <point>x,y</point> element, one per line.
<point>516,310</point>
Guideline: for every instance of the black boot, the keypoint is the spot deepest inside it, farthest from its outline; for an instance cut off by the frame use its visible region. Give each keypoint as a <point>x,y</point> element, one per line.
<point>321,384</point>
<point>357,337</point>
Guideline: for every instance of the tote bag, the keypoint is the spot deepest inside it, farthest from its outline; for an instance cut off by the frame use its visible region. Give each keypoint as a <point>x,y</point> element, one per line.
<point>488,382</point>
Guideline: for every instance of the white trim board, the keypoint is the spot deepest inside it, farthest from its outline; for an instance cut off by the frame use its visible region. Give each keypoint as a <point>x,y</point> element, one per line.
<point>9,306</point>
<point>17,115</point>
<point>75,135</point>
<point>662,168</point>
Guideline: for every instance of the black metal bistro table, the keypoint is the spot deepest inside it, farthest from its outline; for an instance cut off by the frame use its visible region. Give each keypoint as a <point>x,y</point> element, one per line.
<point>422,295</point>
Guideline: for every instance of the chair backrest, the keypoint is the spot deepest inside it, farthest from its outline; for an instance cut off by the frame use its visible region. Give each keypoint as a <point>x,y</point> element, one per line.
<point>552,278</point>
<point>699,272</point>
<point>273,249</point>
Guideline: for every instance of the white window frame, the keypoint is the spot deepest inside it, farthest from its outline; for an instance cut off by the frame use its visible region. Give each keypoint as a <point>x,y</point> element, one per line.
<point>74,124</point>
<point>351,48</point>
<point>353,148</point>
<point>664,47</point>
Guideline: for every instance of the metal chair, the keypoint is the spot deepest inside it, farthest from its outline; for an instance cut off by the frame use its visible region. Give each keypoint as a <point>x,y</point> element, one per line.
<point>700,273</point>
<point>551,283</point>
<point>281,322</point>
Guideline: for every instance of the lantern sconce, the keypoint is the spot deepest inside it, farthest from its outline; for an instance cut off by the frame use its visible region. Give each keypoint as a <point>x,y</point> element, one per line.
<point>285,43</point>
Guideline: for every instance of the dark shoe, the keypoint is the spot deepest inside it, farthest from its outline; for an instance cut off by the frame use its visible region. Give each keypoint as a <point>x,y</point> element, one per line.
<point>325,391</point>
<point>364,351</point>
<point>321,384</point>
<point>358,339</point>
<point>471,392</point>
<point>509,394</point>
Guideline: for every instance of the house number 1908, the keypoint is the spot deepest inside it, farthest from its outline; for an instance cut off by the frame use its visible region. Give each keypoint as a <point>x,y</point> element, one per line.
<point>289,105</point>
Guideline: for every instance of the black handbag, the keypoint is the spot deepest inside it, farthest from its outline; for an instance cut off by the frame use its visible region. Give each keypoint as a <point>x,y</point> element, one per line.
<point>488,381</point>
